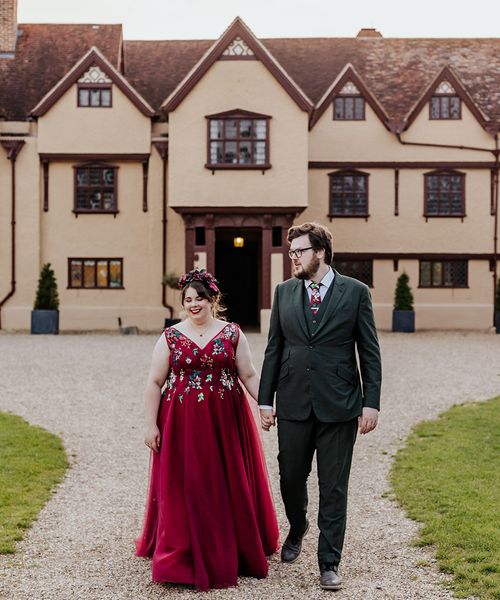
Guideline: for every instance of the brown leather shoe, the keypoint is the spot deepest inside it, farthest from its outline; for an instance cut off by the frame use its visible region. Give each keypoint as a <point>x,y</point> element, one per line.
<point>330,579</point>
<point>291,548</point>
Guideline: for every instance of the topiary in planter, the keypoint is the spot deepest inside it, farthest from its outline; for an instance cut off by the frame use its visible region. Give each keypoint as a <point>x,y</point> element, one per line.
<point>403,315</point>
<point>45,313</point>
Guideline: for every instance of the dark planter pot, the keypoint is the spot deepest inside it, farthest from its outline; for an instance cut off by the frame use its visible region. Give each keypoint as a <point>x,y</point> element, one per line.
<point>497,322</point>
<point>403,321</point>
<point>45,321</point>
<point>170,322</point>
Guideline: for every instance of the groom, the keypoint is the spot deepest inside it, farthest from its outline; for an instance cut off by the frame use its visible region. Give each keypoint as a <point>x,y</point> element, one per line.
<point>318,321</point>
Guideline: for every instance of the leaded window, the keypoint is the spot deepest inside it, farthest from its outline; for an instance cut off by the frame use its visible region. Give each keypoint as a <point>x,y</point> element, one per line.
<point>238,141</point>
<point>359,269</point>
<point>349,108</point>
<point>443,273</point>
<point>349,194</point>
<point>95,273</point>
<point>94,96</point>
<point>444,194</point>
<point>95,188</point>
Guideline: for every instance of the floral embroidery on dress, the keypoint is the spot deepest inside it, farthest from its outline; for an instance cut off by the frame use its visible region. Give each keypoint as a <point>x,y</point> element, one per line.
<point>202,373</point>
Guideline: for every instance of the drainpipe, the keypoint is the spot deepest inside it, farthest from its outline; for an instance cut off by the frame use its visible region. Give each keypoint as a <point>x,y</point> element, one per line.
<point>495,231</point>
<point>162,148</point>
<point>12,147</point>
<point>395,127</point>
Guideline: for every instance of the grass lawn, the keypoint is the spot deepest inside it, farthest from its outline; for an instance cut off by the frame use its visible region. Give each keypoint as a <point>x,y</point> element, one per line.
<point>32,462</point>
<point>448,478</point>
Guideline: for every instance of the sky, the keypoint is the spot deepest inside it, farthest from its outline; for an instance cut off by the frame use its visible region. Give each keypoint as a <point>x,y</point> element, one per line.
<point>207,19</point>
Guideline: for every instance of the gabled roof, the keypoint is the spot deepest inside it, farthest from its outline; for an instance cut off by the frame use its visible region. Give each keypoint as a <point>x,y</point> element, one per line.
<point>92,58</point>
<point>44,54</point>
<point>348,74</point>
<point>237,29</point>
<point>447,74</point>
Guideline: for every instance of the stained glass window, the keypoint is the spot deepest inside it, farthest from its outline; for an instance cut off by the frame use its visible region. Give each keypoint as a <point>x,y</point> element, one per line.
<point>92,273</point>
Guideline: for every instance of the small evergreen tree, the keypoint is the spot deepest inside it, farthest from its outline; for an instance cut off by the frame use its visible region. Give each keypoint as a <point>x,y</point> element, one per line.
<point>403,298</point>
<point>47,297</point>
<point>497,297</point>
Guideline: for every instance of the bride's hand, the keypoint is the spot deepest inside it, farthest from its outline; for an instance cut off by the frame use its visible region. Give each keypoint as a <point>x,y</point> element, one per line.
<point>152,438</point>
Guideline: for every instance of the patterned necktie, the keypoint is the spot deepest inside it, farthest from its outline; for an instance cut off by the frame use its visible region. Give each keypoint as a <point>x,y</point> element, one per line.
<point>315,297</point>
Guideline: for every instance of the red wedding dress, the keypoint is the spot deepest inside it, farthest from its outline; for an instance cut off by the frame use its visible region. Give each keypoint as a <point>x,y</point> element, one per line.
<point>209,514</point>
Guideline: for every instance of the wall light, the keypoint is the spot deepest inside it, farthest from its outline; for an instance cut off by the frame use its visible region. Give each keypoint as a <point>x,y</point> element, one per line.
<point>238,242</point>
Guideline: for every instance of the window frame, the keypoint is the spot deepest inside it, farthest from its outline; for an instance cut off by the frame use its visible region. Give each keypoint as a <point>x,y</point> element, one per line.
<point>96,261</point>
<point>348,259</point>
<point>345,97</point>
<point>347,173</point>
<point>93,211</point>
<point>93,87</point>
<point>440,117</point>
<point>443,173</point>
<point>443,261</point>
<point>238,115</point>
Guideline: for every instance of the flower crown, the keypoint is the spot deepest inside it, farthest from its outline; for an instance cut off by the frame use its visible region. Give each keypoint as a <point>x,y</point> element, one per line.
<point>204,277</point>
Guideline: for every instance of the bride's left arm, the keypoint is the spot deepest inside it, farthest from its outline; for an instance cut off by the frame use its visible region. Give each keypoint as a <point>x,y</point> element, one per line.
<point>245,368</point>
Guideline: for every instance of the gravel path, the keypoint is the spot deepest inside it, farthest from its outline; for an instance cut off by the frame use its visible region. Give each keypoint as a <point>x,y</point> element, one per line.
<point>88,390</point>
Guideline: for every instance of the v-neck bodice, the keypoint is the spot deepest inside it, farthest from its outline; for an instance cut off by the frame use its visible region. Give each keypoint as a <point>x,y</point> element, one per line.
<point>201,372</point>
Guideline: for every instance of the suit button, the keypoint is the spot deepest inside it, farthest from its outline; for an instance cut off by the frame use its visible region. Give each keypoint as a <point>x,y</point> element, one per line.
<point>311,347</point>
<point>314,322</point>
<point>308,370</point>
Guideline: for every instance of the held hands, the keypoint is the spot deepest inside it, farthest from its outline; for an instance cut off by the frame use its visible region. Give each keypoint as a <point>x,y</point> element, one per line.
<point>368,420</point>
<point>267,419</point>
<point>152,438</point>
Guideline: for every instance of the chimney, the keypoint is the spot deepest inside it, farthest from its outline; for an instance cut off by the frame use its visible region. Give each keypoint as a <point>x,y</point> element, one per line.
<point>368,32</point>
<point>8,25</point>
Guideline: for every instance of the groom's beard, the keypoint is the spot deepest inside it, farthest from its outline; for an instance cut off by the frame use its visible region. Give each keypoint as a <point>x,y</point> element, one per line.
<point>309,271</point>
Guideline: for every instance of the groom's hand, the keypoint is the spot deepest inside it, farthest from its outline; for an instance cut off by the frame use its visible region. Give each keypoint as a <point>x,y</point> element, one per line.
<point>267,419</point>
<point>368,420</point>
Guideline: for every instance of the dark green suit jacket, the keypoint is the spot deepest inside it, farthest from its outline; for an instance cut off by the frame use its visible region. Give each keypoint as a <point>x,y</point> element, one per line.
<point>318,371</point>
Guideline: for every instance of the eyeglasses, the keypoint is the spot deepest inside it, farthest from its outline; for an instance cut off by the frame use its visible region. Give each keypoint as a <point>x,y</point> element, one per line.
<point>298,252</point>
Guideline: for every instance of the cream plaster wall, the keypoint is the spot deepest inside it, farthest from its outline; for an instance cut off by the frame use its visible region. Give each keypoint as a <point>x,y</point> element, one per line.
<point>16,311</point>
<point>67,128</point>
<point>369,140</point>
<point>408,232</point>
<point>246,85</point>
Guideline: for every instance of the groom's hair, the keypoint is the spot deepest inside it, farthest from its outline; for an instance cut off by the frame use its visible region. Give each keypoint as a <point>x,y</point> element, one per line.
<point>319,237</point>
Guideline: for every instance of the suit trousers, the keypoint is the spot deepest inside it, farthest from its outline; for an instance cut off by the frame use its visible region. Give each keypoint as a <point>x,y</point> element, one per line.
<point>333,443</point>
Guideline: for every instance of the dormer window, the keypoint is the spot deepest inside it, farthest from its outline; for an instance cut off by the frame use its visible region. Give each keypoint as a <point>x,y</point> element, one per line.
<point>445,104</point>
<point>94,89</point>
<point>238,140</point>
<point>349,105</point>
<point>94,96</point>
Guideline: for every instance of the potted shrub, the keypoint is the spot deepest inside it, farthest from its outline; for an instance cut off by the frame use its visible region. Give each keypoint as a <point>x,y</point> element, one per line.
<point>172,281</point>
<point>45,313</point>
<point>403,315</point>
<point>497,308</point>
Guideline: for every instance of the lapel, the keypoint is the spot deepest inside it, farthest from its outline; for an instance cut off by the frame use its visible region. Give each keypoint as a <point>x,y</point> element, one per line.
<point>337,293</point>
<point>298,304</point>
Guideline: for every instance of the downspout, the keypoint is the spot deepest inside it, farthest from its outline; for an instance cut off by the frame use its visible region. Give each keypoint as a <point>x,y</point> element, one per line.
<point>12,147</point>
<point>162,148</point>
<point>495,153</point>
<point>495,233</point>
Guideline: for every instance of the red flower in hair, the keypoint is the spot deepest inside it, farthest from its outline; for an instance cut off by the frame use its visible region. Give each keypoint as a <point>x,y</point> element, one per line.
<point>203,276</point>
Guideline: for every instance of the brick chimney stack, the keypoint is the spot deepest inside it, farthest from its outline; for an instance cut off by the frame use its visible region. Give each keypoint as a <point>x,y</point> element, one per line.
<point>368,32</point>
<point>8,25</point>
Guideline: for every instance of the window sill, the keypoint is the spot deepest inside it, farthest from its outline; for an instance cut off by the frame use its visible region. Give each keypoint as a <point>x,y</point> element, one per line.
<point>443,287</point>
<point>461,217</point>
<point>95,212</point>
<point>237,167</point>
<point>106,289</point>
<point>331,217</point>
